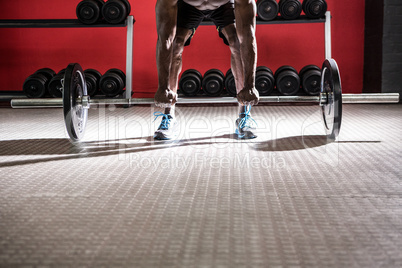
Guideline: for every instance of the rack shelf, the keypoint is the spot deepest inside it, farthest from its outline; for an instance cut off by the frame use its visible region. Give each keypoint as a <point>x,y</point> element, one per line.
<point>280,20</point>
<point>75,23</point>
<point>54,23</point>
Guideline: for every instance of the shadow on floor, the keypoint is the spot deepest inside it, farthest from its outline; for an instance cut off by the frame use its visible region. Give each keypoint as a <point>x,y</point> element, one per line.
<point>63,149</point>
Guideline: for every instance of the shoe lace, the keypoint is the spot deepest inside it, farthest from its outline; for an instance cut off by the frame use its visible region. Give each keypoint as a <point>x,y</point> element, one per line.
<point>165,120</point>
<point>247,121</point>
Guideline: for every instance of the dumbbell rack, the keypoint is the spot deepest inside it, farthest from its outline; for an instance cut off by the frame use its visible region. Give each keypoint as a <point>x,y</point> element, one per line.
<point>302,19</point>
<point>75,23</point>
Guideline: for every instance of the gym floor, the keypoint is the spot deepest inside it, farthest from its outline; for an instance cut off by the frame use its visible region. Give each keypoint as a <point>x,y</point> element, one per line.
<point>289,198</point>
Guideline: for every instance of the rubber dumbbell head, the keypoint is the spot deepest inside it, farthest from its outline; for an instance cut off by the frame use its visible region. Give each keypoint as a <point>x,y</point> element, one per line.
<point>92,78</point>
<point>62,71</point>
<point>315,9</point>
<point>310,77</point>
<point>264,80</point>
<point>213,83</point>
<point>190,82</point>
<point>35,86</point>
<point>47,72</point>
<point>290,9</point>
<point>112,83</point>
<point>89,11</point>
<point>287,80</point>
<point>267,9</point>
<point>116,11</point>
<point>230,83</point>
<point>55,86</point>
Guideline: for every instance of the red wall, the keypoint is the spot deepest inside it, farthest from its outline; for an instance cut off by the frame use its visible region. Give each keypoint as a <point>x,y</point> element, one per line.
<point>22,51</point>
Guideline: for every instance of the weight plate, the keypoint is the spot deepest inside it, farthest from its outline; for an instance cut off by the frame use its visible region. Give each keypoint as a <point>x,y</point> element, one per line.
<point>35,86</point>
<point>114,11</point>
<point>331,98</point>
<point>230,83</point>
<point>213,83</point>
<point>55,86</point>
<point>265,68</point>
<point>190,82</point>
<point>264,81</point>
<point>75,115</point>
<point>88,11</point>
<point>267,9</point>
<point>284,68</point>
<point>308,68</point>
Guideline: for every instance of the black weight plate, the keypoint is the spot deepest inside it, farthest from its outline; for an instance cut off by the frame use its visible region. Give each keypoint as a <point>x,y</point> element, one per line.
<point>290,9</point>
<point>265,68</point>
<point>284,68</point>
<point>62,71</point>
<point>264,82</point>
<point>55,86</point>
<point>267,9</point>
<point>75,115</point>
<point>190,84</point>
<point>114,11</point>
<point>213,82</point>
<point>94,72</point>
<point>214,71</point>
<point>128,6</point>
<point>230,83</point>
<point>88,11</point>
<point>111,84</point>
<point>35,86</point>
<point>315,9</point>
<point>311,82</point>
<point>192,71</point>
<point>92,84</point>
<point>47,72</point>
<point>288,83</point>
<point>93,81</point>
<point>331,98</point>
<point>308,68</point>
<point>119,73</point>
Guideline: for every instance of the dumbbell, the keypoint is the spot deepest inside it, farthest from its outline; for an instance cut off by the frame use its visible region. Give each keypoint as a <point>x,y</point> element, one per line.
<point>230,83</point>
<point>310,77</point>
<point>213,83</point>
<point>92,78</point>
<point>267,9</point>
<point>314,9</point>
<point>113,82</point>
<point>116,11</point>
<point>290,9</point>
<point>35,86</point>
<point>190,82</point>
<point>287,80</point>
<point>264,80</point>
<point>89,11</point>
<point>55,86</point>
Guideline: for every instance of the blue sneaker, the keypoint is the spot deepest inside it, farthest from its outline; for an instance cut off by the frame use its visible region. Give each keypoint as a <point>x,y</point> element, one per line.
<point>167,129</point>
<point>246,126</point>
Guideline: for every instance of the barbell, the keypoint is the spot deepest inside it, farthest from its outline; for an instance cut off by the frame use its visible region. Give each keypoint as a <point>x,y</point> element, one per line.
<point>76,101</point>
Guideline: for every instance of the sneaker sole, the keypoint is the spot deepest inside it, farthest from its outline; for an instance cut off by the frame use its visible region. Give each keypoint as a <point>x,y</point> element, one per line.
<point>243,136</point>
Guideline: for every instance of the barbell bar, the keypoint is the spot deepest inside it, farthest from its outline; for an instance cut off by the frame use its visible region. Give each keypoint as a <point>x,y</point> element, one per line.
<point>346,99</point>
<point>76,101</point>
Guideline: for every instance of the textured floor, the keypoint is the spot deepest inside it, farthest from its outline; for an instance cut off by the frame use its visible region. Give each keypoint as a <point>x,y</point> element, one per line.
<point>120,199</point>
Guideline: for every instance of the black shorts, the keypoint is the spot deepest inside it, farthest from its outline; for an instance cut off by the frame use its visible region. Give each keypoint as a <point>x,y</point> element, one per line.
<point>189,17</point>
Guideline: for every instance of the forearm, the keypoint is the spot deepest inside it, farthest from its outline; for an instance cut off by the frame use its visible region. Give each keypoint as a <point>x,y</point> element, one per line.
<point>245,13</point>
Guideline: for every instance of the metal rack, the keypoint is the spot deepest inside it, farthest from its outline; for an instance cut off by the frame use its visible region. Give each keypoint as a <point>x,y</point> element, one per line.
<point>302,19</point>
<point>75,23</point>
